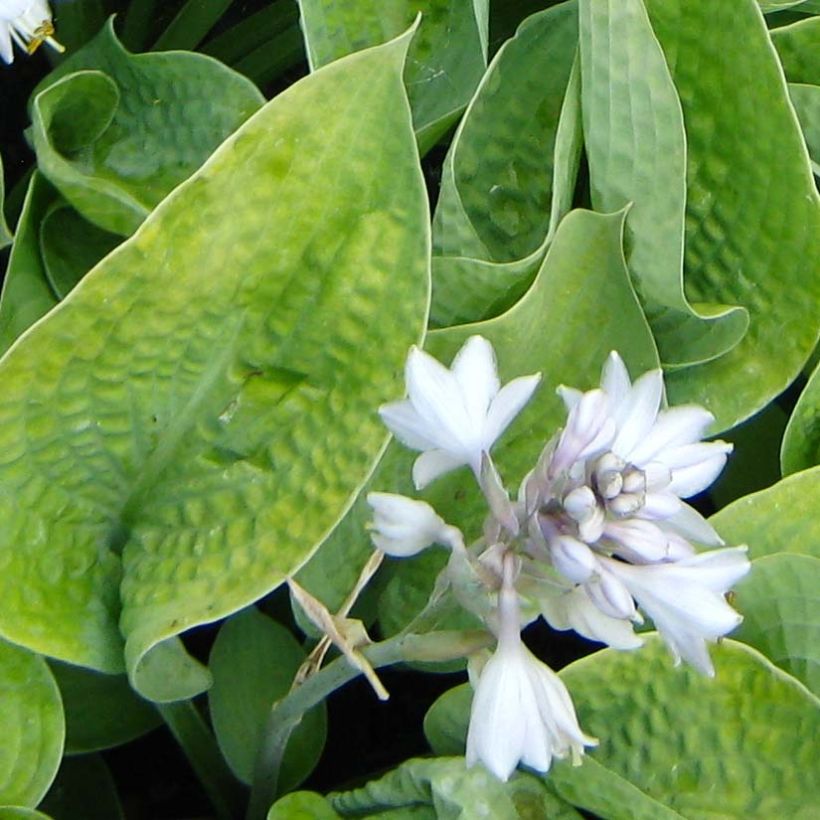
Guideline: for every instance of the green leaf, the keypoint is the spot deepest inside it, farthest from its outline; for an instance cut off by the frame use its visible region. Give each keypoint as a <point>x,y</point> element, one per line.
<point>198,437</point>
<point>754,463</point>
<point>636,149</point>
<point>253,31</point>
<point>116,132</point>
<point>70,246</point>
<point>76,23</point>
<point>253,662</point>
<point>801,442</point>
<point>20,813</point>
<point>334,568</point>
<point>782,518</point>
<point>738,745</point>
<point>101,711</point>
<point>191,25</point>
<point>510,173</point>
<point>797,47</point>
<point>31,725</point>
<point>454,792</point>
<point>501,157</point>
<point>757,244</point>
<point>445,724</point>
<point>83,789</point>
<point>27,294</point>
<point>806,100</point>
<point>599,790</point>
<point>781,614</point>
<point>768,6</point>
<point>446,60</point>
<point>302,806</point>
<point>6,237</point>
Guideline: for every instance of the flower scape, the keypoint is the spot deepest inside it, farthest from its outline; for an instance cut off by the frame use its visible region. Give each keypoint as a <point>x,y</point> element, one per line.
<point>598,534</point>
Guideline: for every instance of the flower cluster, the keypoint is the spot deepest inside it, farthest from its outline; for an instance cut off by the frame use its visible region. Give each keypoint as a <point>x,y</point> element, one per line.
<point>599,532</point>
<point>28,23</point>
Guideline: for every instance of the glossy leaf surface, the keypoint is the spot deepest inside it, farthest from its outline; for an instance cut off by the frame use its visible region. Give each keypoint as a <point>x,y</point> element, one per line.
<point>253,662</point>
<point>801,442</point>
<point>31,725</point>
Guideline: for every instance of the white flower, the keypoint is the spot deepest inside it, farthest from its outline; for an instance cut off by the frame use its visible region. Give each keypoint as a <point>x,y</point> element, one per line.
<point>589,429</point>
<point>403,526</point>
<point>686,600</point>
<point>28,23</point>
<point>664,444</point>
<point>574,609</point>
<point>454,416</point>
<point>521,710</point>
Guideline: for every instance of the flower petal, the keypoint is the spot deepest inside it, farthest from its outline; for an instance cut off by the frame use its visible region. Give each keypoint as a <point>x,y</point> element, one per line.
<point>436,395</point>
<point>433,463</point>
<point>475,371</point>
<point>689,523</point>
<point>689,481</point>
<point>507,405</point>
<point>615,379</point>
<point>673,428</point>
<point>574,610</point>
<point>404,422</point>
<point>637,413</point>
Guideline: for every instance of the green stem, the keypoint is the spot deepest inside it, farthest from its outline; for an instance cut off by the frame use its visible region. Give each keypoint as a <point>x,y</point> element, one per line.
<point>287,713</point>
<point>199,745</point>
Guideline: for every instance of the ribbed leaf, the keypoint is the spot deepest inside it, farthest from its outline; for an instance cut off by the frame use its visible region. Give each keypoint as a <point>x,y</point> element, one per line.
<point>782,518</point>
<point>446,60</point>
<point>753,213</point>
<point>509,175</point>
<point>780,604</point>
<point>116,132</point>
<point>197,414</point>
<point>636,147</point>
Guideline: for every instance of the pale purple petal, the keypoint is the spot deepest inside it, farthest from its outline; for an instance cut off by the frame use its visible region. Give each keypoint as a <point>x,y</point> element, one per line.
<point>689,523</point>
<point>574,610</point>
<point>638,541</point>
<point>615,379</point>
<point>660,506</point>
<point>673,428</point>
<point>637,413</point>
<point>497,729</point>
<point>572,558</point>
<point>689,481</point>
<point>6,50</point>
<point>569,395</point>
